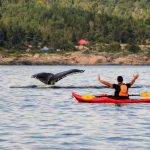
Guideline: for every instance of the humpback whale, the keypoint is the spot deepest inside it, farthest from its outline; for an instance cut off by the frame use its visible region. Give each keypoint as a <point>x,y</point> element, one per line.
<point>51,79</point>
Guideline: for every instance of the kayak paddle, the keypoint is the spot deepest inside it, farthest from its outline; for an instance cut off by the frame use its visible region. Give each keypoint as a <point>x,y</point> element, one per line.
<point>104,95</point>
<point>142,95</point>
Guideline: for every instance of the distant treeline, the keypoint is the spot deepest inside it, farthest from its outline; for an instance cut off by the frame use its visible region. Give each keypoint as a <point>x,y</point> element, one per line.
<point>61,23</point>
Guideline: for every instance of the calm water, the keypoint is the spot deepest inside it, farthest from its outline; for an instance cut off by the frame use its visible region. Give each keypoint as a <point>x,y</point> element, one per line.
<point>47,119</point>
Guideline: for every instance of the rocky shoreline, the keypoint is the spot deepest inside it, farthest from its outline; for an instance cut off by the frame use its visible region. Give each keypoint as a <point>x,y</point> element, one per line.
<point>76,58</point>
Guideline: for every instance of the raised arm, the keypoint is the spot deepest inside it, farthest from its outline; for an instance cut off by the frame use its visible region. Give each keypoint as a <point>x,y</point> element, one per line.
<point>105,82</point>
<point>134,79</point>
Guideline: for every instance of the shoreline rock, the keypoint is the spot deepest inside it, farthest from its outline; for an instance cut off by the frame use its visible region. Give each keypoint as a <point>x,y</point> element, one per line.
<point>76,58</point>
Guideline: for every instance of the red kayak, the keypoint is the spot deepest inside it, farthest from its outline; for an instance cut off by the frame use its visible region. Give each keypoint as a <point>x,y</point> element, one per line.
<point>93,99</point>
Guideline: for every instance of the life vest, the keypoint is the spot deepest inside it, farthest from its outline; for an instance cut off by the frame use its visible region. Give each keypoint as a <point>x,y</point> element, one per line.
<point>123,90</point>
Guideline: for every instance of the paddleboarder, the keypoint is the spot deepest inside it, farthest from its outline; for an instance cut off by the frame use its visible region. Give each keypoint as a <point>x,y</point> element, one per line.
<point>121,89</point>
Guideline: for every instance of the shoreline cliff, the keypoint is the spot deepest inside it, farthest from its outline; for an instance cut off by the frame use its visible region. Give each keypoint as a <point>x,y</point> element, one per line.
<point>76,58</point>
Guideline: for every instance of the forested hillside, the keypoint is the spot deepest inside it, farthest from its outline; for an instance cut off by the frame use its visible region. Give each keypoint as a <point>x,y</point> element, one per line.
<point>61,23</point>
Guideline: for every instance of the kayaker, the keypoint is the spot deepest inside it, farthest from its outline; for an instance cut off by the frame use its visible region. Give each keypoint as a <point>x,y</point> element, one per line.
<point>121,89</point>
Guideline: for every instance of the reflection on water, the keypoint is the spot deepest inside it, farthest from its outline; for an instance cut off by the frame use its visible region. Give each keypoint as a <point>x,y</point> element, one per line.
<point>45,118</point>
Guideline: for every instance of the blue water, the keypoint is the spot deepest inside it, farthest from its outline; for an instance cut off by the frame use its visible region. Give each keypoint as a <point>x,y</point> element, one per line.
<point>43,118</point>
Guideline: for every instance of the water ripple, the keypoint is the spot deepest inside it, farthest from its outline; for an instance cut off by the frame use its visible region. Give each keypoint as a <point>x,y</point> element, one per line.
<point>48,118</point>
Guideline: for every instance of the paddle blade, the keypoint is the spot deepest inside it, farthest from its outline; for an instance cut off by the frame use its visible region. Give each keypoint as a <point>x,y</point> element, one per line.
<point>145,94</point>
<point>87,97</point>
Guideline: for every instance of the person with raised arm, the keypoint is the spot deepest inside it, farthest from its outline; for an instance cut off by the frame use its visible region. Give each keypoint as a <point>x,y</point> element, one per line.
<point>121,89</point>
